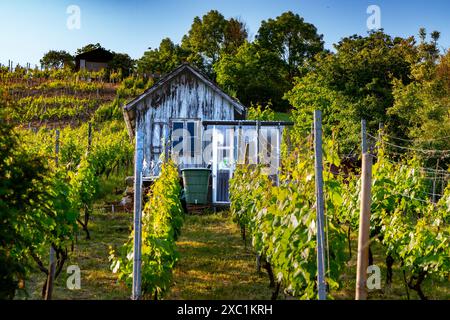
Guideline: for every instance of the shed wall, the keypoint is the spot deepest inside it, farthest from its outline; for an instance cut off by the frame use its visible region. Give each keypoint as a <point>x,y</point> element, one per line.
<point>184,97</point>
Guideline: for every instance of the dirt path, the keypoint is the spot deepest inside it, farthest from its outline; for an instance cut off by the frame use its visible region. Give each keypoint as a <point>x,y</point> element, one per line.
<point>214,263</point>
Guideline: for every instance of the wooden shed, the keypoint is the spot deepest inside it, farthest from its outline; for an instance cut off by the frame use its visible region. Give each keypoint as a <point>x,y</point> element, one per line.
<point>187,117</point>
<point>93,60</point>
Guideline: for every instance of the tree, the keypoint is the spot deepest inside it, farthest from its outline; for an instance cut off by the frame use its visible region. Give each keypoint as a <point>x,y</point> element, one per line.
<point>205,37</point>
<point>309,94</point>
<point>57,59</point>
<point>435,35</point>
<point>211,35</point>
<point>89,47</point>
<point>254,75</point>
<point>357,82</point>
<point>235,34</point>
<point>292,39</point>
<point>422,34</point>
<point>363,69</point>
<point>161,60</point>
<point>121,62</point>
<point>424,108</point>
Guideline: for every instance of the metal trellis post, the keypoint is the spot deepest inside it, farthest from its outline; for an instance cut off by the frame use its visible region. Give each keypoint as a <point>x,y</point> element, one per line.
<point>363,136</point>
<point>136,294</point>
<point>319,205</point>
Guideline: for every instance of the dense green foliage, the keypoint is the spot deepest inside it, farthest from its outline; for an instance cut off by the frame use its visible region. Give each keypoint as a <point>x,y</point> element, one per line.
<point>281,219</point>
<point>161,60</point>
<point>403,83</point>
<point>412,229</point>
<point>393,81</point>
<point>57,59</point>
<point>161,224</point>
<point>424,106</point>
<point>210,36</point>
<point>34,210</point>
<point>41,202</point>
<point>260,113</point>
<point>255,72</point>
<point>262,71</point>
<point>253,75</point>
<point>292,39</point>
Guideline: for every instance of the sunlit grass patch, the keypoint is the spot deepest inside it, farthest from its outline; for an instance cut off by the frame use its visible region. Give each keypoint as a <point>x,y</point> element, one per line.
<point>214,264</point>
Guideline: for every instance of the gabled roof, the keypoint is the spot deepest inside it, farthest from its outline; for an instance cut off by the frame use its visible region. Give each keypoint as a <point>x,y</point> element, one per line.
<point>96,55</point>
<point>130,107</point>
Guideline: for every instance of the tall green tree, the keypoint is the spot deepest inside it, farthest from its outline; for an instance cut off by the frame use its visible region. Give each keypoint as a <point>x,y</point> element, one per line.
<point>121,62</point>
<point>211,35</point>
<point>54,59</point>
<point>263,71</point>
<point>235,34</point>
<point>254,75</point>
<point>424,109</point>
<point>89,47</point>
<point>358,82</point>
<point>292,39</point>
<point>161,60</point>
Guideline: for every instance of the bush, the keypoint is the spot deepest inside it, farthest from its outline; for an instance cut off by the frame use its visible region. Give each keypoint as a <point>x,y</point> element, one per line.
<point>161,224</point>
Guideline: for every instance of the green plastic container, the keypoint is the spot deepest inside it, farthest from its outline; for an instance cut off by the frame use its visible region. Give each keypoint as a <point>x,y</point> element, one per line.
<point>196,182</point>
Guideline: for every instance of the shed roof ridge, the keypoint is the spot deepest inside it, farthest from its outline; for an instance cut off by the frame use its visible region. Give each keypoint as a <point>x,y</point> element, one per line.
<point>103,50</point>
<point>167,77</point>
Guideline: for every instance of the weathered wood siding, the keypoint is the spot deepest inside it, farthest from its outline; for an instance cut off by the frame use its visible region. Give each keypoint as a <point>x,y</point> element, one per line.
<point>183,97</point>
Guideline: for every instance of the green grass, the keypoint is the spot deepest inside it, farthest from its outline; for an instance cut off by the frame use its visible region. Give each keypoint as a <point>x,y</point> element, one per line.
<point>214,263</point>
<point>97,281</point>
<point>282,116</point>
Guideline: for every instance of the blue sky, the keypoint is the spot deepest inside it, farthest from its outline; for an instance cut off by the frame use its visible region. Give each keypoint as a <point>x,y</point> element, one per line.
<point>29,28</point>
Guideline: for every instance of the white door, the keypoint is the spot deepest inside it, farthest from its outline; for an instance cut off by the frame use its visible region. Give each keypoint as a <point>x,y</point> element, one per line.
<point>223,162</point>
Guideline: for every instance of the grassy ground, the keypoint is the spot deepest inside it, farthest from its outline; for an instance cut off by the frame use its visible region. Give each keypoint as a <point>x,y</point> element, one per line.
<point>214,264</point>
<point>432,288</point>
<point>91,256</point>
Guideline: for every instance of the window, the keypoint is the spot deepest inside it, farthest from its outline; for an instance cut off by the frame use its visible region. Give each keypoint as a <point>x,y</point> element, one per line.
<point>177,137</point>
<point>186,141</point>
<point>192,133</point>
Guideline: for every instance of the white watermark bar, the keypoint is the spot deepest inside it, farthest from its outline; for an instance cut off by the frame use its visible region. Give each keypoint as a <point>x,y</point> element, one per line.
<point>228,144</point>
<point>374,19</point>
<point>73,21</point>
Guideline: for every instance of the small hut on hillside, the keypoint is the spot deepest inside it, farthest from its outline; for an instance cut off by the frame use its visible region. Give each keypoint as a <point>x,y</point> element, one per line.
<point>93,60</point>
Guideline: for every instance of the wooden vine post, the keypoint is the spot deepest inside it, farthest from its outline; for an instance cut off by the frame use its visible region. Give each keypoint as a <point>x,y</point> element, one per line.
<point>364,228</point>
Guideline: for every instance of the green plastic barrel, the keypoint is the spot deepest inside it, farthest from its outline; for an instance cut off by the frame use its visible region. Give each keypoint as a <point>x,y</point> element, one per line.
<point>196,182</point>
